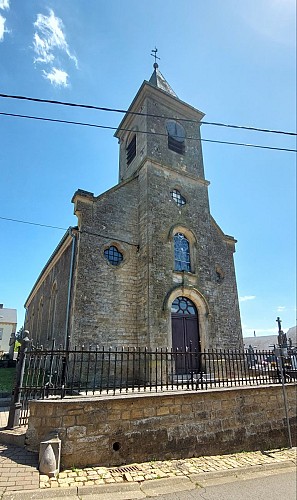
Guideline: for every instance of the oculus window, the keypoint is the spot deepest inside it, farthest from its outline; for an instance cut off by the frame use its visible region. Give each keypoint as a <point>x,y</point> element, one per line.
<point>176,136</point>
<point>181,253</point>
<point>113,255</point>
<point>131,150</point>
<point>178,198</point>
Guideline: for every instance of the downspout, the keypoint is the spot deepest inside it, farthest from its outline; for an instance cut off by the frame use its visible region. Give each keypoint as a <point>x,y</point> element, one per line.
<point>70,280</point>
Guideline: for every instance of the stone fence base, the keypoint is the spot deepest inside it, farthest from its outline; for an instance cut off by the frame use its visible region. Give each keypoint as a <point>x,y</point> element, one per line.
<point>116,430</point>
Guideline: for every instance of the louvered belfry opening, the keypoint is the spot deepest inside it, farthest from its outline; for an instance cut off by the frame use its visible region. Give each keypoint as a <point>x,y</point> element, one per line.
<point>131,150</point>
<point>176,146</point>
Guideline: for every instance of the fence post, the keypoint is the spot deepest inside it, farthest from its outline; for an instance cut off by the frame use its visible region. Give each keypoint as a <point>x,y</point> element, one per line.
<point>15,405</point>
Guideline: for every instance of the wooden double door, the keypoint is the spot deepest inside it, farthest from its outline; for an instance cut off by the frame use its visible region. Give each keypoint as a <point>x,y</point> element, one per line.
<point>185,335</point>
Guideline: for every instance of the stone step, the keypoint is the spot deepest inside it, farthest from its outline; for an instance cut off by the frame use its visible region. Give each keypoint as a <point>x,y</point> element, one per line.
<point>15,436</point>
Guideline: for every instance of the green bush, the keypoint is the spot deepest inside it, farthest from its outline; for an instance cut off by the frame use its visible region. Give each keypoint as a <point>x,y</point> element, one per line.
<point>7,376</point>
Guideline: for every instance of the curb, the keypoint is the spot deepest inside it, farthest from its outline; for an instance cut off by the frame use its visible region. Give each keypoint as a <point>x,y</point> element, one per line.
<point>150,487</point>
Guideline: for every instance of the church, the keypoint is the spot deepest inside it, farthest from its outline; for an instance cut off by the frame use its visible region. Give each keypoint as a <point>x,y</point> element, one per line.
<point>146,265</point>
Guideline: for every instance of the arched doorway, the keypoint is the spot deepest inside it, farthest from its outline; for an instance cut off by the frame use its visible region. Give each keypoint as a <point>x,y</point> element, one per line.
<point>185,334</point>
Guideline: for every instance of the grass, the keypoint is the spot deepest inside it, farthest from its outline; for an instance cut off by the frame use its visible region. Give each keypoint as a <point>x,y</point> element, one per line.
<point>6,379</point>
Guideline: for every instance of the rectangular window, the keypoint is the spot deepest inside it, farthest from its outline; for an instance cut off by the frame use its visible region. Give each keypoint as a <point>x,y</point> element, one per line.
<point>131,150</point>
<point>1,333</point>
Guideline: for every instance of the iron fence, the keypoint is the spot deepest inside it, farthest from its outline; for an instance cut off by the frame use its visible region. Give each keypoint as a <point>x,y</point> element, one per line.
<point>57,372</point>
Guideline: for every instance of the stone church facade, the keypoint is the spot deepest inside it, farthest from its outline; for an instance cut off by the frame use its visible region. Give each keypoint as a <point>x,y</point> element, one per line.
<point>147,265</point>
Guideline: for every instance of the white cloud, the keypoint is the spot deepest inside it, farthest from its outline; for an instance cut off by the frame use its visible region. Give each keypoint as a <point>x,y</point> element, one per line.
<point>41,47</point>
<point>51,48</point>
<point>49,37</point>
<point>57,77</point>
<point>247,297</point>
<point>281,308</point>
<point>4,4</point>
<point>2,27</point>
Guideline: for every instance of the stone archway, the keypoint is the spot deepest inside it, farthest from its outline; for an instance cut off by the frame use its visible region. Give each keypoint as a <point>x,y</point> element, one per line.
<point>185,335</point>
<point>202,308</point>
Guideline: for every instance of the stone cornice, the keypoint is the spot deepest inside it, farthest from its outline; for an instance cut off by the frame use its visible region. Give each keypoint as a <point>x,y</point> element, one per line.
<point>177,172</point>
<point>148,90</point>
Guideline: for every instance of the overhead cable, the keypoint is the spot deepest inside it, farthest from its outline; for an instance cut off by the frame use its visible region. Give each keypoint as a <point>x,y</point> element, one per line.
<point>84,124</point>
<point>33,223</point>
<point>66,229</point>
<point>125,111</point>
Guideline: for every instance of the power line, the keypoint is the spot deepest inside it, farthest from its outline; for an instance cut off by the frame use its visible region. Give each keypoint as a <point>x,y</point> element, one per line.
<point>85,124</point>
<point>33,223</point>
<point>66,229</point>
<point>115,110</point>
<point>112,238</point>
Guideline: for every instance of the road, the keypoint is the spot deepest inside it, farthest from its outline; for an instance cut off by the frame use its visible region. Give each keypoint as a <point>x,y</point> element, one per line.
<point>272,486</point>
<point>276,484</point>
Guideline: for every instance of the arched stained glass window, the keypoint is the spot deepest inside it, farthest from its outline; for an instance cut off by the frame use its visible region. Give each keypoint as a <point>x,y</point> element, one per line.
<point>181,253</point>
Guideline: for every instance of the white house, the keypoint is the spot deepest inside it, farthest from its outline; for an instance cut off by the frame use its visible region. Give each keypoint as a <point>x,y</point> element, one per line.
<point>8,324</point>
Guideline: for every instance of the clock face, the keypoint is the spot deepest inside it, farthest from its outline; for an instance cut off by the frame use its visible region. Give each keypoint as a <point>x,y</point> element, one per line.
<point>175,130</point>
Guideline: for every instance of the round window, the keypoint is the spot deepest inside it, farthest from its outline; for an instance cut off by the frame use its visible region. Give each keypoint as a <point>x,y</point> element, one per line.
<point>113,255</point>
<point>178,198</point>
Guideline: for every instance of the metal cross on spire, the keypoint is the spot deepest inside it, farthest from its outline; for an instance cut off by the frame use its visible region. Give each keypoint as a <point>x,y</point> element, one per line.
<point>155,50</point>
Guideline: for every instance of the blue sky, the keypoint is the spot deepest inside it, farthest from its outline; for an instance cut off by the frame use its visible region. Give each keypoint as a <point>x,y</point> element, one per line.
<point>233,60</point>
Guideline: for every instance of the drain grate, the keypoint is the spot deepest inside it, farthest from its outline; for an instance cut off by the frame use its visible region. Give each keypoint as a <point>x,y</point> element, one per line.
<point>132,468</point>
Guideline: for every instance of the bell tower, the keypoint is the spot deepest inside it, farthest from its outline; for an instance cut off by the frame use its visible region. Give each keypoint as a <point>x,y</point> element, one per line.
<point>184,258</point>
<point>158,126</point>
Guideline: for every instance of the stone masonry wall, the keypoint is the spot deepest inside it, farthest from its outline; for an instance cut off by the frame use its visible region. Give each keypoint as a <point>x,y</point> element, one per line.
<point>125,429</point>
<point>159,216</point>
<point>38,311</point>
<point>105,296</point>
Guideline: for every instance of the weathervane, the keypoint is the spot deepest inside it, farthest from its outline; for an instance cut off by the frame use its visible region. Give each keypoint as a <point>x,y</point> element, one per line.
<point>155,50</point>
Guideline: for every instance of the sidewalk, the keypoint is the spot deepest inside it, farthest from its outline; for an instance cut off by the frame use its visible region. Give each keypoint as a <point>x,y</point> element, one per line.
<point>18,473</point>
<point>18,469</point>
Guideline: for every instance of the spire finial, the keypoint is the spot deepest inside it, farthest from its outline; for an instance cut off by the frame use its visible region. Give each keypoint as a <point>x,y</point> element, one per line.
<point>155,50</point>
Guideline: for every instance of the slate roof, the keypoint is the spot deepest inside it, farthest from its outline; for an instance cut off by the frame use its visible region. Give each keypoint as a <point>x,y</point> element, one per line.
<point>158,80</point>
<point>263,342</point>
<point>8,315</point>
